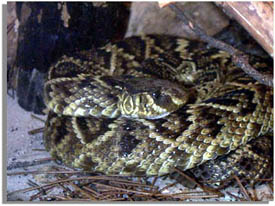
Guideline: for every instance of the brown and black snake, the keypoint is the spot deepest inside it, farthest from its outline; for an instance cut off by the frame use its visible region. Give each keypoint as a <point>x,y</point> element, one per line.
<point>145,105</point>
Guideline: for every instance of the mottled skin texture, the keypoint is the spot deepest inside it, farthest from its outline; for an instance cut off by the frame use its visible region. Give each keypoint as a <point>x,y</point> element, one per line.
<point>113,110</point>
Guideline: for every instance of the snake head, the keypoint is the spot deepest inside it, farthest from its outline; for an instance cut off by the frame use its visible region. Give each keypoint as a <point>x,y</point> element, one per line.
<point>151,98</point>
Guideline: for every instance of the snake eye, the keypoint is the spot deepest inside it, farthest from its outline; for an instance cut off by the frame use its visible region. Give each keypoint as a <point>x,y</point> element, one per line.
<point>156,95</point>
<point>161,99</point>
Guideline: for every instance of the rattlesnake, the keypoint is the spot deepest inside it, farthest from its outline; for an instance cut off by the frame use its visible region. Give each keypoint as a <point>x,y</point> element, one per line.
<point>145,105</point>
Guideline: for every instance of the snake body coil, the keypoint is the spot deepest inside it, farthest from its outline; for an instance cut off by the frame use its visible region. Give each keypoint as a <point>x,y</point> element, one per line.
<point>145,105</point>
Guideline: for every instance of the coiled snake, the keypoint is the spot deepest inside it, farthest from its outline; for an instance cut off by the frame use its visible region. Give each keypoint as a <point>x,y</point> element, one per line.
<point>148,104</point>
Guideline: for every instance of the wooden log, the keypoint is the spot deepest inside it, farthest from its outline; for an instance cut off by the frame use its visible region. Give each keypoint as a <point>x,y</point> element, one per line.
<point>149,18</point>
<point>255,17</point>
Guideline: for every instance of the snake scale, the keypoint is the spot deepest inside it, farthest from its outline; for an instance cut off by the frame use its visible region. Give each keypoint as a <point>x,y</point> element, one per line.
<point>145,105</point>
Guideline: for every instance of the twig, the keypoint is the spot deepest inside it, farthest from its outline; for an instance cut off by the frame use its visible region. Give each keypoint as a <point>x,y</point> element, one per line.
<point>39,150</point>
<point>235,196</point>
<point>271,186</point>
<point>204,188</point>
<point>35,131</point>
<point>46,172</point>
<point>153,183</point>
<point>255,196</point>
<point>92,191</point>
<point>238,57</point>
<point>15,165</point>
<point>132,183</point>
<point>167,186</point>
<point>242,188</point>
<point>126,190</point>
<point>67,180</point>
<point>40,193</point>
<point>83,192</point>
<point>38,118</point>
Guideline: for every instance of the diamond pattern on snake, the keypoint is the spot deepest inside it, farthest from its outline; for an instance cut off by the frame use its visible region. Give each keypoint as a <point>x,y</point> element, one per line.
<point>148,104</point>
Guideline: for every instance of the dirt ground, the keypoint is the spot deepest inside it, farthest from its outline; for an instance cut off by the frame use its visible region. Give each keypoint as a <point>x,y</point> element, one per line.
<point>23,149</point>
